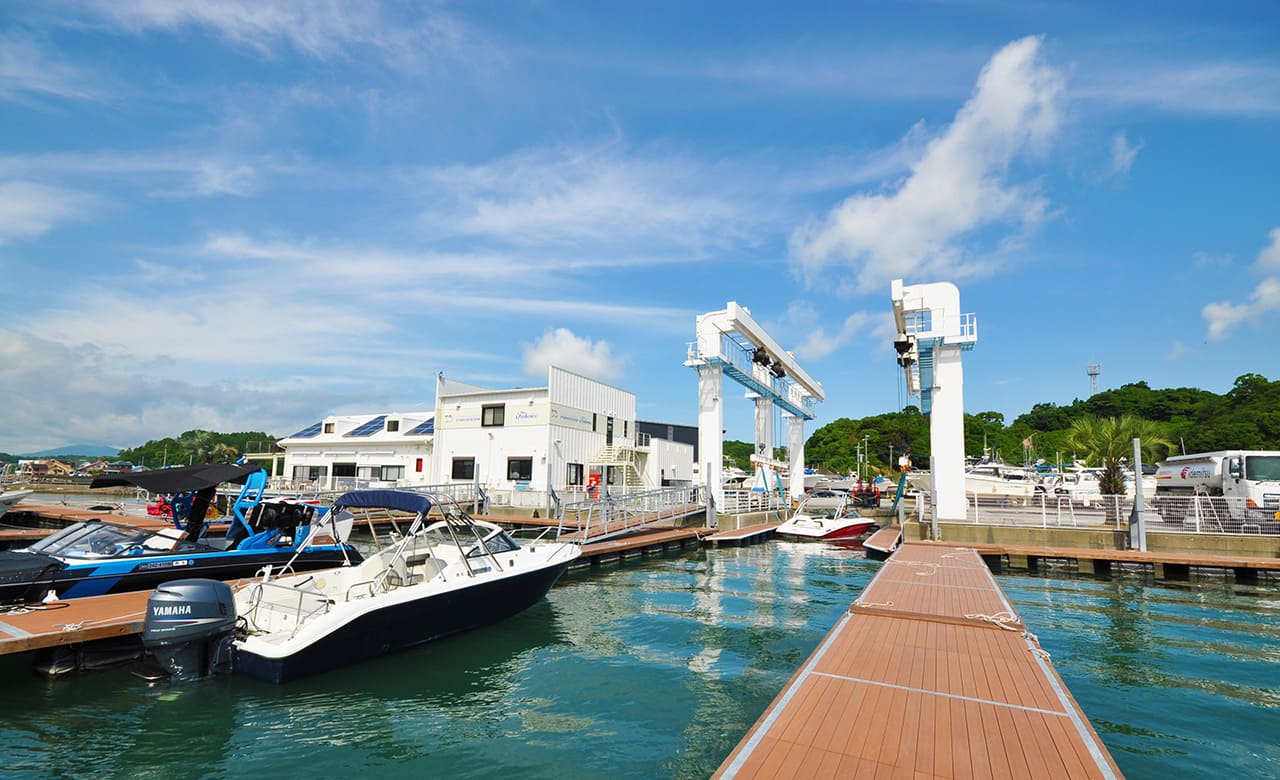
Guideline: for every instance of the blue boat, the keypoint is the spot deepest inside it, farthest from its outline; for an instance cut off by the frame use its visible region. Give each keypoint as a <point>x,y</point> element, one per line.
<point>96,557</point>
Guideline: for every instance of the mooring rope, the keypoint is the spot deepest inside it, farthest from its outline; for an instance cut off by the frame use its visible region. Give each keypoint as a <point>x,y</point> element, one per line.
<point>1002,619</point>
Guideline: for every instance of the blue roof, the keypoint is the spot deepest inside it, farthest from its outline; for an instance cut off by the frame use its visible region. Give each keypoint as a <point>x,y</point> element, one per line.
<point>423,429</point>
<point>307,432</point>
<point>369,428</point>
<point>384,499</point>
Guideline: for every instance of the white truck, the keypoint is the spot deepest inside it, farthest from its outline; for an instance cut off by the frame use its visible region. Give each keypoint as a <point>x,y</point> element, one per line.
<point>1248,480</point>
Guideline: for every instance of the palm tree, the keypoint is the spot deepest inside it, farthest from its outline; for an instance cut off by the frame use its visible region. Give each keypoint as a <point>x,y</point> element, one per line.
<point>1110,440</point>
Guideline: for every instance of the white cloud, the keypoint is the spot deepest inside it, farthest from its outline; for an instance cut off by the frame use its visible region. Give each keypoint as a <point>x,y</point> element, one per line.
<point>560,347</point>
<point>29,210</point>
<point>1224,316</point>
<point>1202,259</point>
<point>1269,258</point>
<point>1216,88</point>
<point>410,38</point>
<point>602,196</point>
<point>25,68</point>
<point>959,186</point>
<point>1176,351</point>
<point>1123,154</point>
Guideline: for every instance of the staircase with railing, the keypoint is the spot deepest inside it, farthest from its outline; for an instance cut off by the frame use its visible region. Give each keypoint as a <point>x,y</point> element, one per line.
<point>628,459</point>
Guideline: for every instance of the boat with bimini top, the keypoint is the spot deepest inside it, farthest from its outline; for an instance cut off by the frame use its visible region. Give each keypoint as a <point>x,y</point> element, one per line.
<point>96,557</point>
<point>449,573</point>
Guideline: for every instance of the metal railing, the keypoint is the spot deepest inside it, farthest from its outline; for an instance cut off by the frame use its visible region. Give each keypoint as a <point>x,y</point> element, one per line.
<point>1163,514</point>
<point>738,502</point>
<point>607,515</point>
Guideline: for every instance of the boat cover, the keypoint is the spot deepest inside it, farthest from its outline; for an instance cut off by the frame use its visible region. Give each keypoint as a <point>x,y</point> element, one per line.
<point>180,479</point>
<point>20,567</point>
<point>385,499</point>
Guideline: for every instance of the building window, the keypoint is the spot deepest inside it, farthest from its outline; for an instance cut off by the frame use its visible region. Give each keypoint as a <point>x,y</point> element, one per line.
<point>367,472</point>
<point>344,469</point>
<point>328,427</point>
<point>464,468</point>
<point>393,426</point>
<point>493,416</point>
<point>520,469</point>
<point>624,429</point>
<point>309,473</point>
<point>574,473</point>
<point>392,473</point>
<point>593,422</point>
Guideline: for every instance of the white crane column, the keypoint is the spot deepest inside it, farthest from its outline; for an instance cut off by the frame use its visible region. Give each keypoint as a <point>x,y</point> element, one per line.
<point>764,440</point>
<point>946,435</point>
<point>795,454</point>
<point>932,334</point>
<point>710,433</point>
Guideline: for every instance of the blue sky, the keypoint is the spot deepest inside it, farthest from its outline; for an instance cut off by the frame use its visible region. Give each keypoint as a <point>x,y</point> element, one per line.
<point>247,215</point>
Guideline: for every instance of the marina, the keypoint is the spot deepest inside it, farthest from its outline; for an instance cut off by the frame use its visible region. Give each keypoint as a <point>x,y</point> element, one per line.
<point>674,657</point>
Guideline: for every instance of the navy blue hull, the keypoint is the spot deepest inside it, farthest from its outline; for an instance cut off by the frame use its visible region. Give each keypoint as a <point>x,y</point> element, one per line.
<point>127,574</point>
<point>399,626</point>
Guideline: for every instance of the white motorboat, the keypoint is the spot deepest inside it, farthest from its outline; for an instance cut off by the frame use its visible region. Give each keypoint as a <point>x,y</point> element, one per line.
<point>987,479</point>
<point>11,497</point>
<point>449,573</point>
<point>1080,485</point>
<point>825,514</point>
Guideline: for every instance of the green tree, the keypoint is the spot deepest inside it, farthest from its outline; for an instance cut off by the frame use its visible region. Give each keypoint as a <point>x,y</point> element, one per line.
<point>1110,440</point>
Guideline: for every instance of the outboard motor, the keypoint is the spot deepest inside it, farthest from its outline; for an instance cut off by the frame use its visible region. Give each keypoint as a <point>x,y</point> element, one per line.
<point>189,627</point>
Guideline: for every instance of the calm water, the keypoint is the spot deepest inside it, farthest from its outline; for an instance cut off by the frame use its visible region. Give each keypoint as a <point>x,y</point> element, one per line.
<point>656,668</point>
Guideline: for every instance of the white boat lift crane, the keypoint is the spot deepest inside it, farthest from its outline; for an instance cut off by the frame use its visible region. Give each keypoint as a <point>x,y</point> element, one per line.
<point>731,342</point>
<point>932,332</point>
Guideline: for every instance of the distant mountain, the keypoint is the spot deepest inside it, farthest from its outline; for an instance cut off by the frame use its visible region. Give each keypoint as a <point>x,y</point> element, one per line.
<point>88,450</point>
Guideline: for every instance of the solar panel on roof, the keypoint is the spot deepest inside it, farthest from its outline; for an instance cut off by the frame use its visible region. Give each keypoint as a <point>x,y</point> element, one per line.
<point>369,428</point>
<point>422,429</point>
<point>307,432</point>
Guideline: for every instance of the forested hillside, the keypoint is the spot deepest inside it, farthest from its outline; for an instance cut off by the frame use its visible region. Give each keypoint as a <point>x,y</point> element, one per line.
<point>1245,417</point>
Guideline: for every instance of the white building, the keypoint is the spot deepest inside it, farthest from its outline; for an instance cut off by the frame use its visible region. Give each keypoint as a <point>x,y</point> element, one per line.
<point>342,452</point>
<point>518,443</point>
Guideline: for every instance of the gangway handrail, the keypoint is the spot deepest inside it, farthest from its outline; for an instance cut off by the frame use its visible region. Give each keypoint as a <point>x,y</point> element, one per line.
<point>608,515</point>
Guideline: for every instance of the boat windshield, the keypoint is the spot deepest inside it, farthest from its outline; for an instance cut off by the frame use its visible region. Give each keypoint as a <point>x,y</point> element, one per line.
<point>103,540</point>
<point>1262,468</point>
<point>497,540</point>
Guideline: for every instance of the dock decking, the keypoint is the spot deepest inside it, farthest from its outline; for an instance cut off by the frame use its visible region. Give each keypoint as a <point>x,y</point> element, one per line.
<point>1164,564</point>
<point>69,622</point>
<point>929,675</point>
<point>744,535</point>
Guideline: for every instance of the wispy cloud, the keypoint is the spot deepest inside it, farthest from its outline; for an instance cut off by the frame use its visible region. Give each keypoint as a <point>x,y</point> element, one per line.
<point>411,38</point>
<point>169,174</point>
<point>959,186</point>
<point>1216,88</point>
<point>29,210</point>
<point>1123,154</point>
<point>599,195</point>
<point>26,68</point>
<point>560,347</point>
<point>1224,316</point>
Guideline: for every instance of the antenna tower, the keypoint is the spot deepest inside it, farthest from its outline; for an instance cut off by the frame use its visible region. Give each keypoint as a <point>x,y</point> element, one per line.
<point>1093,370</point>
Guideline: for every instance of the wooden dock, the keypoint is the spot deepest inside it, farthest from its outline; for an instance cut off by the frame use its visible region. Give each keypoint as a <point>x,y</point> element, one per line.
<point>746,535</point>
<point>1164,565</point>
<point>72,621</point>
<point>930,674</point>
<point>881,544</point>
<point>640,543</point>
